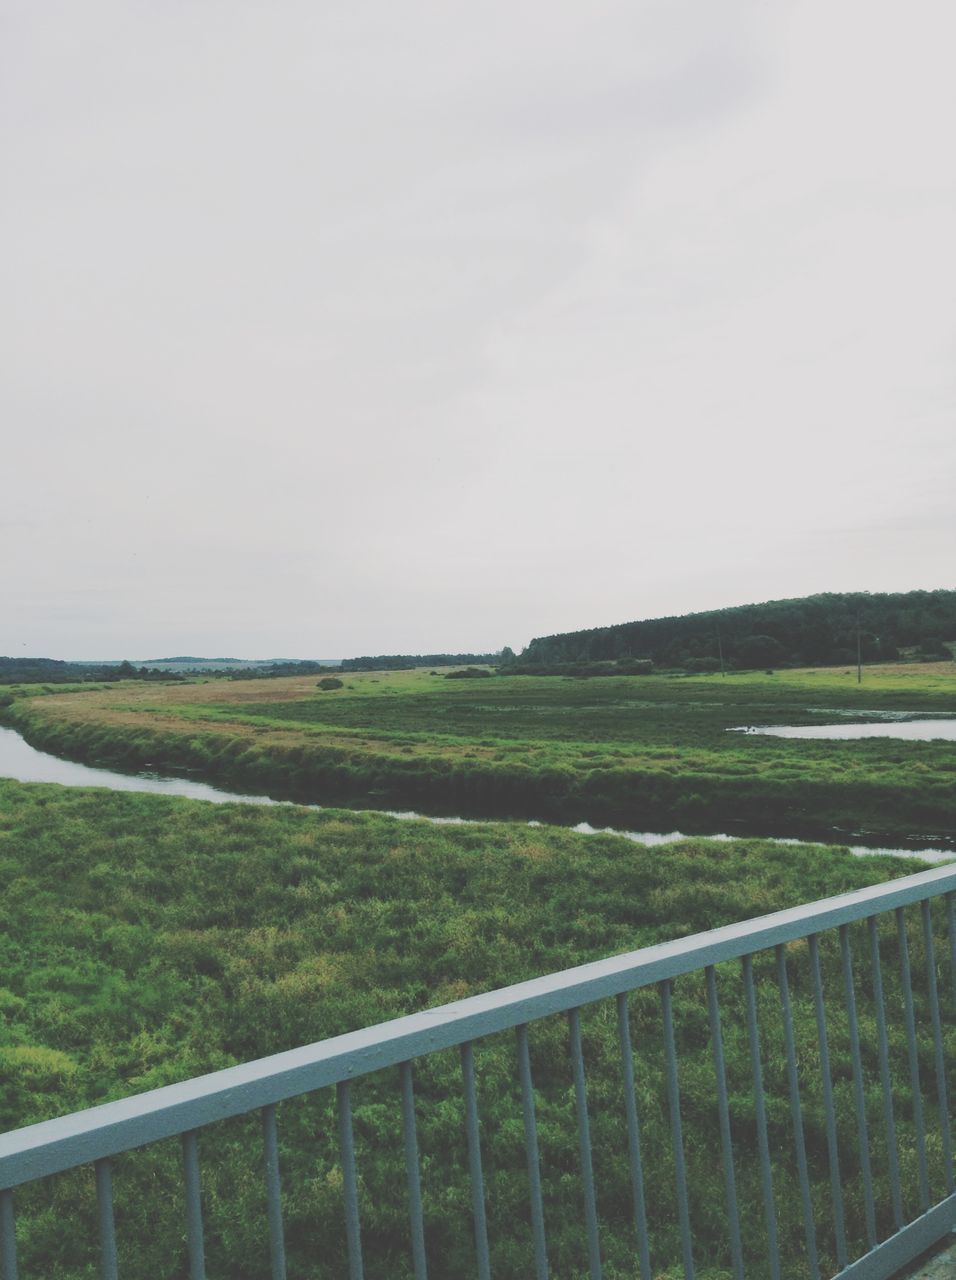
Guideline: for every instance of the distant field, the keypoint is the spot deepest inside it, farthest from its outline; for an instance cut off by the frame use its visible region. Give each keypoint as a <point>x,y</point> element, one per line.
<point>144,940</point>
<point>640,751</point>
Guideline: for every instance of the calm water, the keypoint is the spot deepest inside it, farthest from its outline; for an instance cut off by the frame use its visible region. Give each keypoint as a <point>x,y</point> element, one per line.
<point>912,730</point>
<point>20,761</point>
<point>24,763</point>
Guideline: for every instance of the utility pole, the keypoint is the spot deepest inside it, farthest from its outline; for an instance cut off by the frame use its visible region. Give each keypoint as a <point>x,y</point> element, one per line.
<point>720,651</point>
<point>859,652</point>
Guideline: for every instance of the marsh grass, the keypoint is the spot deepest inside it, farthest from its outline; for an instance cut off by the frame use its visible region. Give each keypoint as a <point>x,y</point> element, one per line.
<point>639,752</point>
<point>146,939</point>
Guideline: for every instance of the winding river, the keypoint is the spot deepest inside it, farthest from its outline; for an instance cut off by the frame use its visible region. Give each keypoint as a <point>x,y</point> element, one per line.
<point>23,763</point>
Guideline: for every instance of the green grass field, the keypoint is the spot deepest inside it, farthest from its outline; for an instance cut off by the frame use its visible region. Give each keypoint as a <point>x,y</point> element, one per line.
<point>645,752</point>
<point>146,939</point>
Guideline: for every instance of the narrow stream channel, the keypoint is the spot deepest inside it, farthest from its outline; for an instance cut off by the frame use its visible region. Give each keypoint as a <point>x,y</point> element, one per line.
<point>23,763</point>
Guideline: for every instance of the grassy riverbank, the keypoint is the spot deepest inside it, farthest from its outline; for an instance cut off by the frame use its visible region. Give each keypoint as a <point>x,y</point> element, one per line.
<point>643,751</point>
<point>145,940</point>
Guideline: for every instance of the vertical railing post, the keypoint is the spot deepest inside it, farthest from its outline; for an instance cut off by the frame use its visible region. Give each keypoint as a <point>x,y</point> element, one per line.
<point>796,1111</point>
<point>531,1152</point>
<point>194,1229</point>
<point>913,1056</point>
<point>109,1269</point>
<point>763,1145</point>
<point>833,1150</point>
<point>940,1061</point>
<point>413,1174</point>
<point>584,1145</point>
<point>677,1138</point>
<point>723,1115</point>
<point>273,1193</point>
<point>882,1040</point>
<point>353,1231</point>
<point>473,1136</point>
<point>856,1060</point>
<point>633,1138</point>
<point>8,1236</point>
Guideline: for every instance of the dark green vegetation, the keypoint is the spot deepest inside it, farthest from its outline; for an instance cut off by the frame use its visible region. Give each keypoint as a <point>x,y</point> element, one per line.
<point>385,662</point>
<point>652,753</point>
<point>643,752</point>
<point>145,940</point>
<point>408,661</point>
<point>622,667</point>
<point>812,631</point>
<point>284,667</point>
<point>53,671</point>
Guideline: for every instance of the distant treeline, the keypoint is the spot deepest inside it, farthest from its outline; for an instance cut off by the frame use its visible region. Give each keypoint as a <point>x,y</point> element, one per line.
<point>55,671</point>
<point>406,661</point>
<point>816,630</point>
<point>186,659</point>
<point>385,662</point>
<point>304,668</point>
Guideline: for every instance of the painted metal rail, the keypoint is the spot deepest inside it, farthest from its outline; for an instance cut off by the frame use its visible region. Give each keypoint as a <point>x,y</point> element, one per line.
<point>901,1126</point>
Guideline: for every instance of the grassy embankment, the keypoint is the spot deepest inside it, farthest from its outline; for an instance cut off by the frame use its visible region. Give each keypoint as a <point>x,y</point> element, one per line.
<point>145,940</point>
<point>648,751</point>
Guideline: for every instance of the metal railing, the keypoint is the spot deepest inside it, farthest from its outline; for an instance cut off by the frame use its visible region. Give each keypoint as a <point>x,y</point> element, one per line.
<point>867,1166</point>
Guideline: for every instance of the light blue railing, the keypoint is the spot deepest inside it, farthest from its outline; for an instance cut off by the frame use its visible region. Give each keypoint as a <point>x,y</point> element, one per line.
<point>922,1020</point>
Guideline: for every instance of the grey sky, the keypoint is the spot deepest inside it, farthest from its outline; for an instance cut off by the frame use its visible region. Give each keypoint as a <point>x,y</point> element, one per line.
<point>368,327</point>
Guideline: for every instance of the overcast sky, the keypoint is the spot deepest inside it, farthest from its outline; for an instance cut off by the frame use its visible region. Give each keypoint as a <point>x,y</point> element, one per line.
<point>362,326</point>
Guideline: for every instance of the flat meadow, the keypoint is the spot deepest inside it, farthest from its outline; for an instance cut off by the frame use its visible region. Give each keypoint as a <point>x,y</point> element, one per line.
<point>637,752</point>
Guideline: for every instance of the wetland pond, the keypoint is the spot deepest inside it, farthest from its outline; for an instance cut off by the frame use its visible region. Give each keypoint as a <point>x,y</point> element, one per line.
<point>889,726</point>
<point>23,763</point>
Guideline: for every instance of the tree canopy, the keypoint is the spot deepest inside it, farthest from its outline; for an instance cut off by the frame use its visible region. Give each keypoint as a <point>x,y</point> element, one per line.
<point>818,630</point>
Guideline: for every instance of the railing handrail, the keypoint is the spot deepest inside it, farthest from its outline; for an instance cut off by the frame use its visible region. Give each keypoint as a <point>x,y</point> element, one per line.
<point>53,1146</point>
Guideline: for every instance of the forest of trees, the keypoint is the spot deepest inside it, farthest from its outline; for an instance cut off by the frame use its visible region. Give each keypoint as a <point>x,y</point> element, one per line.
<point>816,630</point>
<point>406,661</point>
<point>55,671</point>
<point>306,667</point>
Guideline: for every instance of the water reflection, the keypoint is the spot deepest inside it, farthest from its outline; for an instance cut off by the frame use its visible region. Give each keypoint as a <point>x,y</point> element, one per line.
<point>20,761</point>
